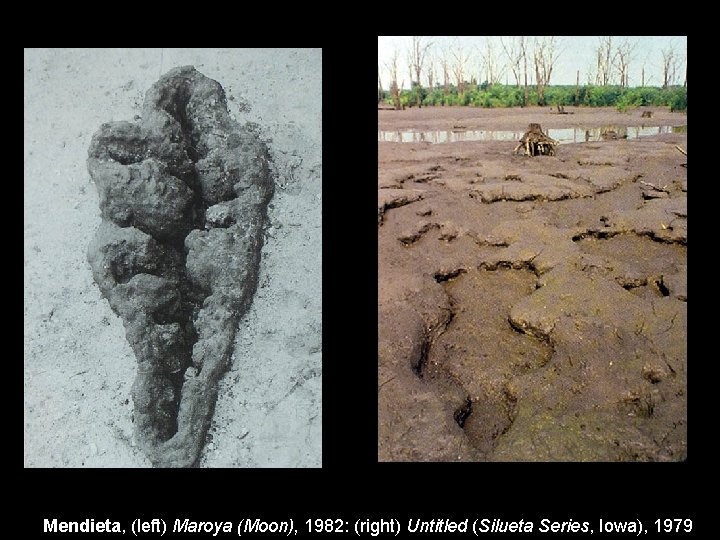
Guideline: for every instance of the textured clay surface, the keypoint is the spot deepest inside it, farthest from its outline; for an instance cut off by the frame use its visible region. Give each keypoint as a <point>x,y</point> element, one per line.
<point>532,308</point>
<point>183,196</point>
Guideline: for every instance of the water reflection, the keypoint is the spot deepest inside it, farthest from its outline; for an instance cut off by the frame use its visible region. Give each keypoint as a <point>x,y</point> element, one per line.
<point>567,135</point>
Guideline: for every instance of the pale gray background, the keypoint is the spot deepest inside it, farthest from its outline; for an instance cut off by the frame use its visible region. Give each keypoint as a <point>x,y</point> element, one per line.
<point>78,366</point>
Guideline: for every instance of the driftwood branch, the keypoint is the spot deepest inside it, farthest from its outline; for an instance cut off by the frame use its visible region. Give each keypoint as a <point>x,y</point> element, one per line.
<point>684,153</point>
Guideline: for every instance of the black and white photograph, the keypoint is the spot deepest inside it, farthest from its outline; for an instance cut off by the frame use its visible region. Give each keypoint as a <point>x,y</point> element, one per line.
<point>172,258</point>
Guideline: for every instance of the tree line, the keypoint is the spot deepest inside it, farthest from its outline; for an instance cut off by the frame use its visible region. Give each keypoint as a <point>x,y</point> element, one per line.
<point>501,95</point>
<point>450,79</point>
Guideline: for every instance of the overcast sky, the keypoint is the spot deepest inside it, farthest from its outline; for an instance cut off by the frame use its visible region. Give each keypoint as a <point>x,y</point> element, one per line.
<point>576,53</point>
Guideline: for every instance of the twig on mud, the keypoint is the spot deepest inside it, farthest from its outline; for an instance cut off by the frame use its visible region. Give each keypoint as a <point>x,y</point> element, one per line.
<point>79,373</point>
<point>684,153</point>
<point>654,186</point>
<point>383,384</point>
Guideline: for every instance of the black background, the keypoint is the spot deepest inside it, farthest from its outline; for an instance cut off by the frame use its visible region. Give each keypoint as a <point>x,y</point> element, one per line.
<point>351,484</point>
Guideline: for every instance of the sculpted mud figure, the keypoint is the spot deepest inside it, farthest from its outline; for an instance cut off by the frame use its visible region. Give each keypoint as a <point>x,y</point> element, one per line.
<point>183,198</point>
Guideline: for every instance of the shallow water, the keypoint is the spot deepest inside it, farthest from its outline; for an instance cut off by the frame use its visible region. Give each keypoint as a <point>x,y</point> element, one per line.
<point>562,135</point>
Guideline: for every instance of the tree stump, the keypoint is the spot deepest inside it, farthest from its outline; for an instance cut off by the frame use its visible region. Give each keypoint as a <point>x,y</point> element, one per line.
<point>536,143</point>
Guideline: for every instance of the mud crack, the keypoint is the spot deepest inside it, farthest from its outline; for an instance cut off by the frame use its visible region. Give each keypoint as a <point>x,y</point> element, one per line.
<point>462,414</point>
<point>410,238</point>
<point>660,284</point>
<point>514,196</point>
<point>511,265</point>
<point>593,233</point>
<point>430,335</point>
<point>420,364</point>
<point>446,275</point>
<point>606,234</point>
<point>395,198</point>
<point>535,332</point>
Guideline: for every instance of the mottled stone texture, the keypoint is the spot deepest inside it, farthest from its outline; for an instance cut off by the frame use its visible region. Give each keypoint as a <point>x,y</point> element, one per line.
<point>183,198</point>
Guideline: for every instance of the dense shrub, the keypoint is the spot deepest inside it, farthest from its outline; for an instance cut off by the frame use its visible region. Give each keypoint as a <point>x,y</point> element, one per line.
<point>678,99</point>
<point>434,97</point>
<point>602,96</point>
<point>500,95</point>
<point>559,95</point>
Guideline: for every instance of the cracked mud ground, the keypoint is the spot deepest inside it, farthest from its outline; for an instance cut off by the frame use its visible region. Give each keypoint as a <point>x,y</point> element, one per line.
<point>532,309</point>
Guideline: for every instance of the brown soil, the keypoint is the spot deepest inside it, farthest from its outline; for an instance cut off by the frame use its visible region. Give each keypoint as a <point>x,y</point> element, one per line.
<point>532,308</point>
<point>445,118</point>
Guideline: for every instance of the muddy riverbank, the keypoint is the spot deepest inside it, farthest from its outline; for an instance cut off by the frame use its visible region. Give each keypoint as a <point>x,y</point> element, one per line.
<point>532,309</point>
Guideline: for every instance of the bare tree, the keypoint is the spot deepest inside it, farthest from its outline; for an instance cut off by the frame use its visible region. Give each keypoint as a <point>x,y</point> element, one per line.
<point>431,71</point>
<point>459,69</point>
<point>394,90</point>
<point>410,71</point>
<point>445,65</point>
<point>545,55</point>
<point>591,75</point>
<point>604,60</point>
<point>474,68</point>
<point>381,94</point>
<point>673,71</point>
<point>493,69</point>
<point>685,83</point>
<point>538,75</point>
<point>417,59</point>
<point>550,59</point>
<point>669,63</point>
<point>621,60</point>
<point>577,89</point>
<point>598,67</point>
<point>523,49</point>
<point>514,54</point>
<point>642,69</point>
